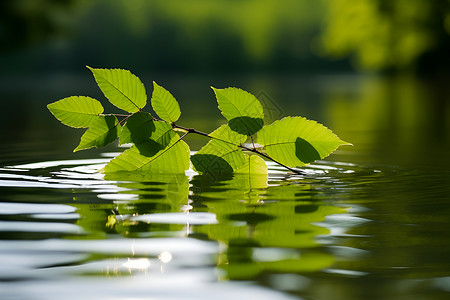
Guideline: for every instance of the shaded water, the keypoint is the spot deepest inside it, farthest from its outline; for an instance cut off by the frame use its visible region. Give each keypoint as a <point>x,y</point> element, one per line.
<point>370,222</point>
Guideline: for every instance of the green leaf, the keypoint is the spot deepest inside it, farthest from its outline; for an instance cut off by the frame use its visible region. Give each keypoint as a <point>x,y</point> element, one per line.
<point>253,174</point>
<point>253,165</point>
<point>296,141</point>
<point>122,88</point>
<point>104,131</point>
<point>221,155</point>
<point>242,110</point>
<point>141,127</point>
<point>76,111</point>
<point>164,104</point>
<point>138,128</point>
<point>163,133</point>
<point>147,157</point>
<point>225,134</point>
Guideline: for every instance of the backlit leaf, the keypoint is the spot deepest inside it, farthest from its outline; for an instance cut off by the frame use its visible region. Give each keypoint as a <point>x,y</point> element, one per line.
<point>147,157</point>
<point>253,165</point>
<point>138,128</point>
<point>76,111</point>
<point>221,155</point>
<point>242,110</point>
<point>253,174</point>
<point>296,141</point>
<point>122,88</point>
<point>164,104</point>
<point>104,131</point>
<point>141,127</point>
<point>163,133</point>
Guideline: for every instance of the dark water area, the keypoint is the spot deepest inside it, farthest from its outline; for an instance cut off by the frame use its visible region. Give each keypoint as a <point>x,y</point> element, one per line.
<point>371,221</point>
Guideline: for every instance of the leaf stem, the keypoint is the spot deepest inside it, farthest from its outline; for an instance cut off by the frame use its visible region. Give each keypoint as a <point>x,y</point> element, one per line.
<point>181,137</point>
<point>121,115</point>
<point>191,130</point>
<point>253,143</point>
<point>125,117</point>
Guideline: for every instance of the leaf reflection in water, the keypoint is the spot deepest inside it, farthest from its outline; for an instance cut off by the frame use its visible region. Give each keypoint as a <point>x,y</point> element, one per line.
<point>256,222</point>
<point>263,227</point>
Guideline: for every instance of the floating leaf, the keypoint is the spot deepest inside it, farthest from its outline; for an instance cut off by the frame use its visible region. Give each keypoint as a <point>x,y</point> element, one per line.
<point>104,131</point>
<point>242,110</point>
<point>147,157</point>
<point>221,155</point>
<point>76,111</point>
<point>122,88</point>
<point>164,104</point>
<point>296,141</point>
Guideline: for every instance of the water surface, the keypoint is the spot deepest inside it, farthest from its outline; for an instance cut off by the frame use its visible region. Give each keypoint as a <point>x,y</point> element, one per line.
<point>370,222</point>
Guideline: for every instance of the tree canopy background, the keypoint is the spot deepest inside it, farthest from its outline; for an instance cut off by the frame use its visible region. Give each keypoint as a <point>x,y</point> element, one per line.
<point>226,36</point>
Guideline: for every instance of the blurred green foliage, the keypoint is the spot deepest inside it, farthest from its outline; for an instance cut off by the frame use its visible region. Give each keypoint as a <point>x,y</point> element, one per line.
<point>223,35</point>
<point>395,115</point>
<point>24,22</point>
<point>178,35</point>
<point>389,34</point>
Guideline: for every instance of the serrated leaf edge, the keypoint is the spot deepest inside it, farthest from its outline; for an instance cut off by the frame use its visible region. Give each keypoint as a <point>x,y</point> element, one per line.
<point>128,71</point>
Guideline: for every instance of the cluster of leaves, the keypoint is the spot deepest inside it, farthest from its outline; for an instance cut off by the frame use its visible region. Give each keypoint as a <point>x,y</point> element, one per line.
<point>157,147</point>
